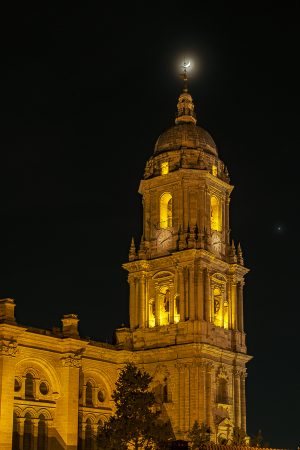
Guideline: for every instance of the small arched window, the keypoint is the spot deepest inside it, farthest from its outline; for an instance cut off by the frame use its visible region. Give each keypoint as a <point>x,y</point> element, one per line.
<point>166,210</point>
<point>89,394</point>
<point>42,433</point>
<point>215,214</point>
<point>28,433</point>
<point>29,386</point>
<point>88,435</point>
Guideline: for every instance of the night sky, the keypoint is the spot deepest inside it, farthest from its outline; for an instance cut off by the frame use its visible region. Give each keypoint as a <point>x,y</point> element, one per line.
<point>85,92</point>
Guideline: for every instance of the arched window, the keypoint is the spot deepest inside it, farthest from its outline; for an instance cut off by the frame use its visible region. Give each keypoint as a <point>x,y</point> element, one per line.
<point>222,394</point>
<point>215,214</point>
<point>42,433</point>
<point>28,435</point>
<point>218,307</point>
<point>89,394</point>
<point>166,210</point>
<point>88,435</point>
<point>16,435</point>
<point>29,386</point>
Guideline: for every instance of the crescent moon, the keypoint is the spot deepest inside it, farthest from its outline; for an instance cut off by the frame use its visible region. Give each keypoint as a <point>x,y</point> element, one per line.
<point>186,64</point>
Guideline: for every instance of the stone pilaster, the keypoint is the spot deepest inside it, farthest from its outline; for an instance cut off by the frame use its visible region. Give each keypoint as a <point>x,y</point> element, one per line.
<point>132,301</point>
<point>200,294</point>
<point>207,297</point>
<point>202,393</point>
<point>66,420</point>
<point>8,351</point>
<point>227,230</point>
<point>142,282</point>
<point>243,401</point>
<point>186,397</point>
<point>240,306</point>
<point>208,386</point>
<point>181,294</point>
<point>233,303</point>
<point>194,390</point>
<point>237,397</point>
<point>191,293</point>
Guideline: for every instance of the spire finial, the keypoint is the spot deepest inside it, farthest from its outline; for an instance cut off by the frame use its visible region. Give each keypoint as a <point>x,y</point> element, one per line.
<point>185,106</point>
<point>132,251</point>
<point>185,65</point>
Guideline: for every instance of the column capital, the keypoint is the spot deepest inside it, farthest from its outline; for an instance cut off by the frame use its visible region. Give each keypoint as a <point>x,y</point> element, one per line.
<point>72,359</point>
<point>209,367</point>
<point>237,372</point>
<point>8,347</point>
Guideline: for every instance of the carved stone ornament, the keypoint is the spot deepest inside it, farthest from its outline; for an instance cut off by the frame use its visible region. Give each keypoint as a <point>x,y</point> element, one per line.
<point>73,360</point>
<point>222,372</point>
<point>9,348</point>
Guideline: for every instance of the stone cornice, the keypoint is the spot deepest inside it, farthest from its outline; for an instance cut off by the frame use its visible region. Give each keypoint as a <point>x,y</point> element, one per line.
<point>185,257</point>
<point>182,175</point>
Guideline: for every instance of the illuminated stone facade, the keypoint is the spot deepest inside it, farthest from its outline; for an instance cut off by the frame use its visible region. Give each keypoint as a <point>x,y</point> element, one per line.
<point>186,316</point>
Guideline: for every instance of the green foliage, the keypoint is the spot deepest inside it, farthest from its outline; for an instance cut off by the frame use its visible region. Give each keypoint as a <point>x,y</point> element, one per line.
<point>199,435</point>
<point>136,422</point>
<point>238,436</point>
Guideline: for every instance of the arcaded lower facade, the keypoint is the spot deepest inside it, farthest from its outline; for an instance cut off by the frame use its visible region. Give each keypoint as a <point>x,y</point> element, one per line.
<point>186,327</point>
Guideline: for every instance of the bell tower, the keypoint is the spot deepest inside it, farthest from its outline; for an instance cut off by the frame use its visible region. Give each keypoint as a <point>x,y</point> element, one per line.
<point>186,277</point>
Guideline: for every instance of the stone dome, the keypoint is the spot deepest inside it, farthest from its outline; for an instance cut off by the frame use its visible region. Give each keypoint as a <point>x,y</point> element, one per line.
<point>188,135</point>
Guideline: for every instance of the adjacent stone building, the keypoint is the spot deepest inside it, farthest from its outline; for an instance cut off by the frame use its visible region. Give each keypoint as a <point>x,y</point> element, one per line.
<point>186,316</point>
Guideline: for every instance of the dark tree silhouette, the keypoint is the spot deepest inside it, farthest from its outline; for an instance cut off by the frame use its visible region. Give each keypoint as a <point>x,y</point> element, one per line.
<point>136,421</point>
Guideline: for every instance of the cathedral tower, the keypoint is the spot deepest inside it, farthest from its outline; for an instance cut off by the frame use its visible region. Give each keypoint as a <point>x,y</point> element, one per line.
<point>186,282</point>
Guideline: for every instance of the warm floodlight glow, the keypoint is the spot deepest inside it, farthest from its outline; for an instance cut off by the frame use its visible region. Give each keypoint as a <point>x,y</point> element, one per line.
<point>164,168</point>
<point>166,210</point>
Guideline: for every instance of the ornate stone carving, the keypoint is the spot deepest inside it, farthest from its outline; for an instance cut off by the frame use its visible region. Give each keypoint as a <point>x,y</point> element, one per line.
<point>209,367</point>
<point>237,372</point>
<point>222,372</point>
<point>73,360</point>
<point>9,348</point>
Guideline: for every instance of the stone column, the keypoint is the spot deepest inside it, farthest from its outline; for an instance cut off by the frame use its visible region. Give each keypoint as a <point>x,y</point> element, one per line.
<point>186,411</point>
<point>207,297</point>
<point>8,351</point>
<point>208,386</point>
<point>35,423</point>
<point>185,207</point>
<point>240,303</point>
<point>202,393</point>
<point>66,419</point>
<point>243,401</point>
<point>181,395</point>
<point>132,301</point>
<point>191,293</point>
<point>233,304</point>
<point>227,233</point>
<point>142,301</point>
<point>181,294</point>
<point>237,397</point>
<point>186,292</point>
<point>172,304</point>
<point>21,421</point>
<point>201,221</point>
<point>200,294</point>
<point>194,389</point>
